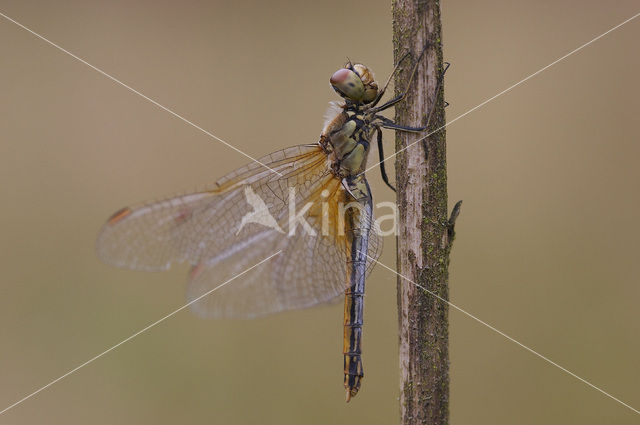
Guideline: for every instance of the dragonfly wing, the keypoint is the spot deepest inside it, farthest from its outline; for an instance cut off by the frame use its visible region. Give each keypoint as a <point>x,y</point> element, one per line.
<point>309,269</point>
<point>374,249</point>
<point>184,228</point>
<point>225,230</point>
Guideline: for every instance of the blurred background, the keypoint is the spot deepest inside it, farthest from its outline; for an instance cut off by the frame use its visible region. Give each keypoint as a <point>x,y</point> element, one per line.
<point>547,242</point>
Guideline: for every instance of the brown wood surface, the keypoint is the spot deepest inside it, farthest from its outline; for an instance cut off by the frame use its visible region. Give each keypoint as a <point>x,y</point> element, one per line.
<point>424,238</point>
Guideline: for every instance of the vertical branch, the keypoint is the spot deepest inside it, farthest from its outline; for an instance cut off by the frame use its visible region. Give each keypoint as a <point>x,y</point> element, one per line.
<point>424,231</point>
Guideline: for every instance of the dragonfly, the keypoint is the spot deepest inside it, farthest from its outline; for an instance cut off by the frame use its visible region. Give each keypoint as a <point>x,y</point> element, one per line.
<point>326,250</point>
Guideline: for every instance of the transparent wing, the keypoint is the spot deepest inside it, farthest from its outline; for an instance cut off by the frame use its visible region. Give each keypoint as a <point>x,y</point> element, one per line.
<point>242,220</point>
<point>185,228</point>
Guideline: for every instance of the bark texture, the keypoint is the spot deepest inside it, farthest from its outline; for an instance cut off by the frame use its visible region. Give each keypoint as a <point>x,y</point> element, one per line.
<point>425,234</point>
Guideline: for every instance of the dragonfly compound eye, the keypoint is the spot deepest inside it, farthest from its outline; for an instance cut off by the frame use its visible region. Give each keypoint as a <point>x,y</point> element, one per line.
<point>368,80</point>
<point>348,84</point>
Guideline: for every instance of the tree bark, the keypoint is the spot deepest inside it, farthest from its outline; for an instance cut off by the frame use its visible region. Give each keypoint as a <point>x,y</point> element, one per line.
<point>425,233</point>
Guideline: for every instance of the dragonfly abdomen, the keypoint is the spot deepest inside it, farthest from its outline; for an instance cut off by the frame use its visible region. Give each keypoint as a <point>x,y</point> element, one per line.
<point>357,225</point>
<point>352,343</point>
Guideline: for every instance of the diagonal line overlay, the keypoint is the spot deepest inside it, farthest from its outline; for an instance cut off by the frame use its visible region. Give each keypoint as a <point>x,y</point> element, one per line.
<point>577,49</point>
<point>114,79</point>
<point>532,351</point>
<point>278,252</point>
<point>135,335</point>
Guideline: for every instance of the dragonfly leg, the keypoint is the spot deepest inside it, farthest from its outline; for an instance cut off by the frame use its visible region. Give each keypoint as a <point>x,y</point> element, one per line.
<point>387,123</point>
<point>433,107</point>
<point>383,171</point>
<point>384,88</point>
<point>401,97</point>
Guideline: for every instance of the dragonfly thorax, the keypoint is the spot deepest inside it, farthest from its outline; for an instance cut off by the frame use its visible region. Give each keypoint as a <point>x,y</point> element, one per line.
<point>346,138</point>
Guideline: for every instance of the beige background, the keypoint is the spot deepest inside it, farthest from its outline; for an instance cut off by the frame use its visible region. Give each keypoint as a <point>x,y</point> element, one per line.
<point>547,246</point>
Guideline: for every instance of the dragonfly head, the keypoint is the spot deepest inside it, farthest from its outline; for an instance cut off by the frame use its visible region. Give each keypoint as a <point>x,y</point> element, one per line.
<point>355,83</point>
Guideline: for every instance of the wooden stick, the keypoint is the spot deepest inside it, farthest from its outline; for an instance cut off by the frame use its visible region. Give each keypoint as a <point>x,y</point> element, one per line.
<point>425,233</point>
